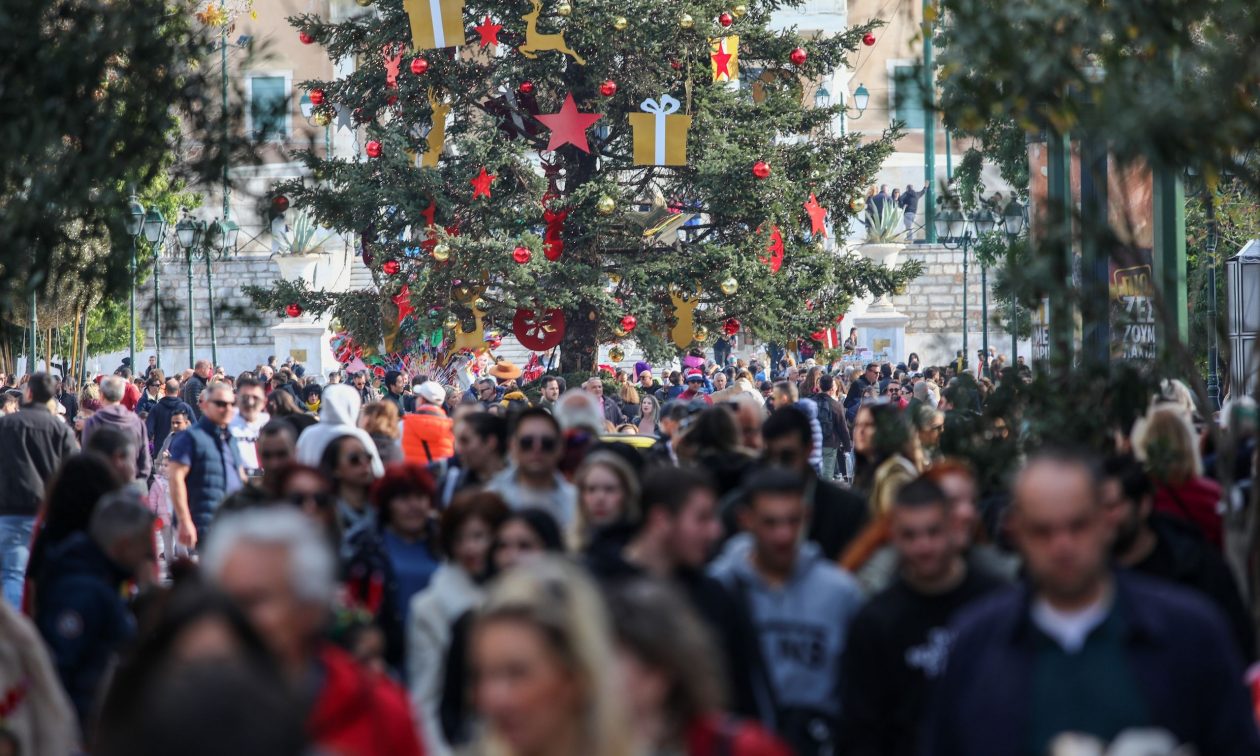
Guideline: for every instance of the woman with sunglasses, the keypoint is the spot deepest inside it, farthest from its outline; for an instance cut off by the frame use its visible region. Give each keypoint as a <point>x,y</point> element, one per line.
<point>347,462</point>
<point>307,489</point>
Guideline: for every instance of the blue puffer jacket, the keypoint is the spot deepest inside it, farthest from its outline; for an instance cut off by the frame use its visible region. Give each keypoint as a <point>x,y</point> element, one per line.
<point>82,617</point>
<point>206,445</point>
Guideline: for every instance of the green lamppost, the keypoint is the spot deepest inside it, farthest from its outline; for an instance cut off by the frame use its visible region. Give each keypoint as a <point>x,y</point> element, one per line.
<point>984,222</point>
<point>188,233</point>
<point>1014,220</point>
<point>134,223</point>
<point>955,230</point>
<point>155,234</point>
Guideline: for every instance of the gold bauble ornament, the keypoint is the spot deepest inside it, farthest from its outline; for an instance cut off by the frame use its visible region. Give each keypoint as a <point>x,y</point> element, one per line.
<point>819,246</point>
<point>686,21</point>
<point>739,10</point>
<point>620,23</point>
<point>363,3</point>
<point>480,304</point>
<point>605,205</point>
<point>857,204</point>
<point>616,354</point>
<point>730,286</point>
<point>564,9</point>
<point>321,119</point>
<point>619,332</point>
<point>701,334</point>
<point>451,323</point>
<point>441,252</point>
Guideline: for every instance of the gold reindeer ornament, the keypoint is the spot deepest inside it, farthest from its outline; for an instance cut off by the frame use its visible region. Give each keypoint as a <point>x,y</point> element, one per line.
<point>536,41</point>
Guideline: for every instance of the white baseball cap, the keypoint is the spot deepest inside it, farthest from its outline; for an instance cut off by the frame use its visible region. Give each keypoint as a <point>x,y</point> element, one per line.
<point>431,391</point>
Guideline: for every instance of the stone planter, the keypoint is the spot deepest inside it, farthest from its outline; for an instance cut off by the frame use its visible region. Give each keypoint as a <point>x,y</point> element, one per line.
<point>885,255</point>
<point>305,267</point>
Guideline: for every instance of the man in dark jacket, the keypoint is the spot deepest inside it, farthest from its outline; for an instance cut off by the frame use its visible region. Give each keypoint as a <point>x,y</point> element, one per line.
<point>33,441</point>
<point>859,386</point>
<point>81,614</point>
<point>1165,547</point>
<point>835,429</point>
<point>204,466</point>
<point>836,515</point>
<point>1084,648</point>
<point>612,411</point>
<point>195,384</point>
<point>159,420</point>
<point>113,415</point>
<point>64,391</point>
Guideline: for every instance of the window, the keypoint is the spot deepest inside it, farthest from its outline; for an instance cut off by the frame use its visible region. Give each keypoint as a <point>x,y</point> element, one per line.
<point>269,107</point>
<point>907,95</point>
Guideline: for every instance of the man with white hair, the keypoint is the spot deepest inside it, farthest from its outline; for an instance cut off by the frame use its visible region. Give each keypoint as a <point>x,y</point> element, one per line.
<point>113,414</point>
<point>277,564</point>
<point>204,466</point>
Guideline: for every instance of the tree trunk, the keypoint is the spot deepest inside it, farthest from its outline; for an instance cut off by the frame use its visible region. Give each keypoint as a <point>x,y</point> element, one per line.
<point>579,350</point>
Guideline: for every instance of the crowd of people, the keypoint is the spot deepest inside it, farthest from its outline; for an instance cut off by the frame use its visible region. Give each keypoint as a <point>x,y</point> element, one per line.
<point>743,559</point>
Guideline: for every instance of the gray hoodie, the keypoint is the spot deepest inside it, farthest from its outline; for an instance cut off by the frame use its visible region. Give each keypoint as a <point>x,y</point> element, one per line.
<point>802,625</point>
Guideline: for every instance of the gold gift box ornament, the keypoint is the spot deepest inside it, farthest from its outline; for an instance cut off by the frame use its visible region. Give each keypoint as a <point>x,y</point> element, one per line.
<point>435,23</point>
<point>660,136</point>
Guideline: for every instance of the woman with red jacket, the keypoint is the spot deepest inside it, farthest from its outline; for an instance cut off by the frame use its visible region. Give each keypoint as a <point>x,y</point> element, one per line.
<point>672,683</point>
<point>1166,442</point>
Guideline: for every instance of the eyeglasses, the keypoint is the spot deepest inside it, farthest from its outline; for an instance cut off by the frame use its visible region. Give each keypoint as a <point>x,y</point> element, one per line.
<point>222,403</point>
<point>544,443</point>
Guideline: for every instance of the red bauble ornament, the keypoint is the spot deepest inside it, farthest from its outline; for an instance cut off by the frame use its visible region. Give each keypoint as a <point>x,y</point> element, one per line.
<point>306,37</point>
<point>608,88</point>
<point>317,97</point>
<point>798,56</point>
<point>761,169</point>
<point>522,255</point>
<point>293,310</point>
<point>726,19</point>
<point>373,148</point>
<point>280,203</point>
<point>392,99</point>
<point>676,64</point>
<point>419,66</point>
<point>868,39</point>
<point>526,87</point>
<point>628,323</point>
<point>538,332</point>
<point>391,267</point>
<point>730,327</point>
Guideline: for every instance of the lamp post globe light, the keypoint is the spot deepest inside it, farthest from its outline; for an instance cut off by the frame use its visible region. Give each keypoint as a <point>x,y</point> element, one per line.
<point>956,230</point>
<point>134,224</point>
<point>155,235</point>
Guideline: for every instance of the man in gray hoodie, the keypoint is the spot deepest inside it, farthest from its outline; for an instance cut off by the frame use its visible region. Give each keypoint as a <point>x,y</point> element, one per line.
<point>114,415</point>
<point>800,604</point>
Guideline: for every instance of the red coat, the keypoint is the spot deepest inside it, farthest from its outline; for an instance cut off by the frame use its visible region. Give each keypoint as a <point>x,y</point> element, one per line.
<point>721,736</point>
<point>1196,501</point>
<point>359,713</point>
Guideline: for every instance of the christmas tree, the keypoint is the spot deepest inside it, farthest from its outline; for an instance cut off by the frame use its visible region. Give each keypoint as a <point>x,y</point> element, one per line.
<point>584,174</point>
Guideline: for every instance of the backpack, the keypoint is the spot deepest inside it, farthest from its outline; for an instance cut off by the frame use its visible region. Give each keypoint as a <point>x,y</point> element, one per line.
<point>826,418</point>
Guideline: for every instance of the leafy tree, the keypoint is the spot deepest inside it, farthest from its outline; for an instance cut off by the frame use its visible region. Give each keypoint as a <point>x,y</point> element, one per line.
<point>633,51</point>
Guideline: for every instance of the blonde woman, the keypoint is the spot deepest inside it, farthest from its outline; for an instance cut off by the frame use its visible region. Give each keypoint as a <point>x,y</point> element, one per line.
<point>544,682</point>
<point>628,398</point>
<point>381,421</point>
<point>647,419</point>
<point>1166,442</point>
<point>607,495</point>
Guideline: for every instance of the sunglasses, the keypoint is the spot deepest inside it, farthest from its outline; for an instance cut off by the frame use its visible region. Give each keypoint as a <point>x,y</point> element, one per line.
<point>321,500</point>
<point>222,403</point>
<point>544,443</point>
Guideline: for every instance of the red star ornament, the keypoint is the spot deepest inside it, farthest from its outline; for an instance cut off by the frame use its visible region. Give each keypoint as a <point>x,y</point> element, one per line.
<point>488,31</point>
<point>481,184</point>
<point>817,216</point>
<point>721,61</point>
<point>403,300</point>
<point>774,258</point>
<point>429,214</point>
<point>568,126</point>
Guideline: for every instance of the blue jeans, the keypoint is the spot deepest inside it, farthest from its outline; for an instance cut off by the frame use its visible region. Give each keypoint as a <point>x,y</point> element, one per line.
<point>829,463</point>
<point>15,549</point>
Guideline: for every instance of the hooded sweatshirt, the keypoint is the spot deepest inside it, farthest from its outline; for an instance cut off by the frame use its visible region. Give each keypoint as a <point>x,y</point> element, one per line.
<point>159,419</point>
<point>810,408</point>
<point>338,416</point>
<point>802,625</point>
<point>120,418</point>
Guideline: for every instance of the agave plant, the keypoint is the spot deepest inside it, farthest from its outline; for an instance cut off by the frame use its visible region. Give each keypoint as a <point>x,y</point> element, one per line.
<point>885,225</point>
<point>303,237</point>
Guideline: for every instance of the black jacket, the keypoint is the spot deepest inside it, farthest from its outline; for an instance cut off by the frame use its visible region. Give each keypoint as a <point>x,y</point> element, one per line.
<point>192,392</point>
<point>836,516</point>
<point>158,422</point>
<point>835,429</point>
<point>33,441</point>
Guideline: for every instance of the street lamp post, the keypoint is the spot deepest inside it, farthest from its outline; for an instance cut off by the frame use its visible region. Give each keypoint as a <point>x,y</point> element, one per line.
<point>953,230</point>
<point>1213,237</point>
<point>221,236</point>
<point>984,222</point>
<point>1013,223</point>
<point>155,235</point>
<point>188,233</point>
<point>134,223</point>
<point>861,98</point>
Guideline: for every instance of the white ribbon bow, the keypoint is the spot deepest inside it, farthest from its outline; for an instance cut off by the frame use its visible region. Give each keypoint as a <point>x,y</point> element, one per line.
<point>435,13</point>
<point>660,109</point>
